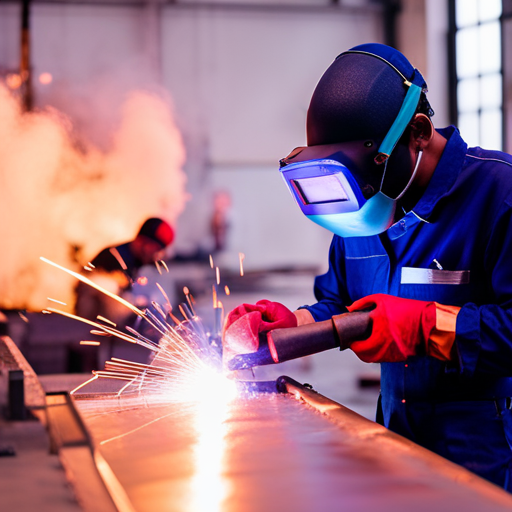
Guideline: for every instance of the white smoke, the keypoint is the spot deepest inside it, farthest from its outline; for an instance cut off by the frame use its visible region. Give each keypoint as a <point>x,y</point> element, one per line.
<point>66,201</point>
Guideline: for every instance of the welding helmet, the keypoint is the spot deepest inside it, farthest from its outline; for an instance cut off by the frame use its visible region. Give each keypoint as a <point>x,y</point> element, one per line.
<point>358,112</point>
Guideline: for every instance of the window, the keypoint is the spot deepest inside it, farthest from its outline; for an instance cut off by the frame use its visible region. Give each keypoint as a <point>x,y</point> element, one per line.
<point>478,80</point>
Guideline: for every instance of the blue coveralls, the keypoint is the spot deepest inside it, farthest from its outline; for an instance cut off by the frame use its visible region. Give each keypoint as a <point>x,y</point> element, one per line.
<point>462,409</point>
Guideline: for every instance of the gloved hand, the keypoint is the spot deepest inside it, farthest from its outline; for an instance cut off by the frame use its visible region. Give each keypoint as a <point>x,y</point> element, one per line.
<point>405,327</point>
<point>245,323</point>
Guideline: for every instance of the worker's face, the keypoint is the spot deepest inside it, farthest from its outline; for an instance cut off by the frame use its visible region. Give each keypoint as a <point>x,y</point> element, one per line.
<point>146,250</point>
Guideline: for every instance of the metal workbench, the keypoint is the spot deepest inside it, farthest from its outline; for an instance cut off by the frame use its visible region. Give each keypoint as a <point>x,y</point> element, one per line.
<point>287,450</point>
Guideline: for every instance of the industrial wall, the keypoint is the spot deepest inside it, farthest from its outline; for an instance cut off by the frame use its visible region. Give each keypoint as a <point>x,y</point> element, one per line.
<point>240,76</point>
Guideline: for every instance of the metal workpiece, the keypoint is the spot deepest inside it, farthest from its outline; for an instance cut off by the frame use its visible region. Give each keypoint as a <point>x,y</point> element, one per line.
<point>262,357</point>
<point>94,487</point>
<point>340,331</point>
<point>434,482</point>
<point>64,424</point>
<point>281,345</point>
<point>248,387</point>
<point>273,451</point>
<point>350,327</point>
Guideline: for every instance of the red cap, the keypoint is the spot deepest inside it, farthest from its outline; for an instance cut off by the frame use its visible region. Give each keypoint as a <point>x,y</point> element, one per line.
<point>158,230</point>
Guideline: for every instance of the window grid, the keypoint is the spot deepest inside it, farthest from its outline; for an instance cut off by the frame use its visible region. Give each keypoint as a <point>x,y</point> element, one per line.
<point>477,71</point>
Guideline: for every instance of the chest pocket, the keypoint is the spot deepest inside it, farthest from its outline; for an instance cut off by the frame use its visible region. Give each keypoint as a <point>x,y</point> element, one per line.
<point>367,267</point>
<point>444,286</point>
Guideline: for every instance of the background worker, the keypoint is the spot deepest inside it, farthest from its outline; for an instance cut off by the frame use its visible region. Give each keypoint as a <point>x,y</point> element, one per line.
<point>116,269</point>
<point>423,239</point>
<point>146,248</point>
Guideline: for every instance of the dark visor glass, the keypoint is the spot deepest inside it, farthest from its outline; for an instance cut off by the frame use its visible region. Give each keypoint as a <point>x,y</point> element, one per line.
<point>319,190</point>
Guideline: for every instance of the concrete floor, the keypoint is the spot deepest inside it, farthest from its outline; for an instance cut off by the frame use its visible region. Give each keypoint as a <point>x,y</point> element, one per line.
<point>32,479</point>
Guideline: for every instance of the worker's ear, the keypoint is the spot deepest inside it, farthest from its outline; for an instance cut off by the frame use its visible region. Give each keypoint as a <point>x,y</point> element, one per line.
<point>421,132</point>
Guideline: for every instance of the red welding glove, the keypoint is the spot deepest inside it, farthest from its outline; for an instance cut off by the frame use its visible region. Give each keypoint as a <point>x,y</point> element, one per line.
<point>244,324</point>
<point>405,327</point>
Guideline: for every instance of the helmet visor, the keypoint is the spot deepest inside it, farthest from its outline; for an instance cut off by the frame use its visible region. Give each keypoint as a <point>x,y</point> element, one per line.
<point>323,187</point>
<point>356,156</point>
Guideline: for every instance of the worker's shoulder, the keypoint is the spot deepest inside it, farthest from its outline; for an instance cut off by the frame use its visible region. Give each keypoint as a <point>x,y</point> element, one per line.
<point>106,261</point>
<point>486,179</point>
<point>490,170</point>
<point>489,159</point>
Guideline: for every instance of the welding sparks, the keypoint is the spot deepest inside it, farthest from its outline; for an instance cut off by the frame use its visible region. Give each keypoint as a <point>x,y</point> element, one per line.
<point>227,291</point>
<point>181,359</point>
<point>241,257</point>
<point>99,333</point>
<point>211,261</point>
<point>183,312</point>
<point>174,319</point>
<point>217,275</point>
<point>190,299</point>
<point>186,363</point>
<point>214,295</point>
<point>85,280</point>
<point>106,320</point>
<point>118,257</point>
<point>57,301</point>
<point>106,329</point>
<point>162,291</point>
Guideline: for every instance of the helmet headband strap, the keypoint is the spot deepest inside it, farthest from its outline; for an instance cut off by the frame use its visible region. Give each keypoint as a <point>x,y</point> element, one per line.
<point>398,127</point>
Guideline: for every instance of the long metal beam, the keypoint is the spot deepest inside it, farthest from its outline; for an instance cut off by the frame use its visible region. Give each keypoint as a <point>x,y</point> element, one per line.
<point>268,451</point>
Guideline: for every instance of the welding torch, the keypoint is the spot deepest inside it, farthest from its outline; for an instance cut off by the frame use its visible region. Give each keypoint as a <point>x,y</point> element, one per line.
<point>294,342</point>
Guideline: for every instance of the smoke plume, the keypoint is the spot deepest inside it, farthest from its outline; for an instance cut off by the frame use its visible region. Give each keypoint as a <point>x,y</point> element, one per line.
<point>66,200</point>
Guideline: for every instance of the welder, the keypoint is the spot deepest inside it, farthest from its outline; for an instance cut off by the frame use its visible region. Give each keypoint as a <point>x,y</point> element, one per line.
<point>422,249</point>
<point>117,269</point>
<point>148,246</point>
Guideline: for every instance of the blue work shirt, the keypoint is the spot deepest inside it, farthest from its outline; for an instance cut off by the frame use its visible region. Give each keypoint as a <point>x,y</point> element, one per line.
<point>455,248</point>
